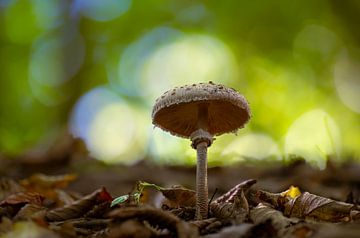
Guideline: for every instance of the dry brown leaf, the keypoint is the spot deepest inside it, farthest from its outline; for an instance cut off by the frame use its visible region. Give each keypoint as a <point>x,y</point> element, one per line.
<point>29,211</point>
<point>80,207</point>
<point>48,186</point>
<point>277,200</point>
<point>262,212</point>
<point>130,228</point>
<point>178,196</point>
<point>308,205</point>
<point>235,191</point>
<point>233,206</point>
<point>8,187</point>
<point>23,198</point>
<point>235,212</point>
<point>157,218</point>
<point>286,227</point>
<point>42,181</point>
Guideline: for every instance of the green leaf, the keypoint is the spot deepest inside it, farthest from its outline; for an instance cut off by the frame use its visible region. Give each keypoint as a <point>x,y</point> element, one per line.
<point>119,200</point>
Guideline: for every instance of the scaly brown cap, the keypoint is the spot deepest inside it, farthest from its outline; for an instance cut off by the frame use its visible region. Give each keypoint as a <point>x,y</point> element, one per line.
<point>176,111</point>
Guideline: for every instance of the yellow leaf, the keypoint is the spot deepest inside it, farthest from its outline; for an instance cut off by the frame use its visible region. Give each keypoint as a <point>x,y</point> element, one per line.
<point>292,192</point>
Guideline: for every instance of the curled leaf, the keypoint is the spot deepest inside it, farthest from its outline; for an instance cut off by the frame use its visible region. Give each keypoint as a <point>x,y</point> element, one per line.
<point>262,212</point>
<point>235,191</point>
<point>79,207</point>
<point>308,205</point>
<point>178,196</point>
<point>29,211</point>
<point>23,198</point>
<point>235,211</point>
<point>175,196</point>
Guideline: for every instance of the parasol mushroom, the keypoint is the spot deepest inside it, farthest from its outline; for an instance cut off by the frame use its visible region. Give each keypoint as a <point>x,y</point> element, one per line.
<point>199,112</point>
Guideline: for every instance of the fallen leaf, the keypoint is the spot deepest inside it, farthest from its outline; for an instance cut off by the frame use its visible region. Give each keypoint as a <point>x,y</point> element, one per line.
<point>178,196</point>
<point>234,211</point>
<point>49,186</point>
<point>157,218</point>
<point>308,205</point>
<point>292,192</point>
<point>42,181</point>
<point>8,187</point>
<point>23,198</point>
<point>28,211</point>
<point>235,191</point>
<point>80,207</point>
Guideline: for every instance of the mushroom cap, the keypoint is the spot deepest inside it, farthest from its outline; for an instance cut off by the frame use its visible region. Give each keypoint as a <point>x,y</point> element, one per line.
<point>176,111</point>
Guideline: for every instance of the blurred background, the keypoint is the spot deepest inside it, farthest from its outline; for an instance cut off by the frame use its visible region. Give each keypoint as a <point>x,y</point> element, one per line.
<point>95,67</point>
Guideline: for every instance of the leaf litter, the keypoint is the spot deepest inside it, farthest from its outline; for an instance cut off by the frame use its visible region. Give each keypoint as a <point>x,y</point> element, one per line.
<point>292,201</point>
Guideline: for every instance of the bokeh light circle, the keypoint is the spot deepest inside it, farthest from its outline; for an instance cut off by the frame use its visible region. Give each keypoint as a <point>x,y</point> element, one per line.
<point>191,59</point>
<point>253,146</point>
<point>168,149</point>
<point>56,60</point>
<point>134,57</point>
<point>53,62</point>
<point>102,10</point>
<point>112,129</point>
<point>347,81</point>
<point>50,13</point>
<point>165,57</point>
<point>316,42</point>
<point>314,136</point>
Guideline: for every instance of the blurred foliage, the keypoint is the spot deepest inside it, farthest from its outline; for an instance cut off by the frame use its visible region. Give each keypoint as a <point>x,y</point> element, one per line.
<point>96,67</point>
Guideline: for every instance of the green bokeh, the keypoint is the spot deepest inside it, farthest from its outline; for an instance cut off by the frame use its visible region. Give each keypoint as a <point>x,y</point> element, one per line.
<point>285,53</point>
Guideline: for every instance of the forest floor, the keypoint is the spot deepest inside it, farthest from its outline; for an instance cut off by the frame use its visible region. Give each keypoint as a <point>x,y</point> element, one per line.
<point>64,193</point>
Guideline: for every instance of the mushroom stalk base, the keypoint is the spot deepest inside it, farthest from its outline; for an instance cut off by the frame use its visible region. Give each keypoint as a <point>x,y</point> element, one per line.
<point>201,181</point>
<point>200,141</point>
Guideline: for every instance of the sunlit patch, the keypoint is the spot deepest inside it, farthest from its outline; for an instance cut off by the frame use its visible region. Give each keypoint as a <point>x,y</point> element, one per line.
<point>252,146</point>
<point>169,149</point>
<point>191,59</point>
<point>134,56</point>
<point>53,62</point>
<point>316,42</point>
<point>347,81</point>
<point>314,136</point>
<point>102,10</point>
<point>113,130</point>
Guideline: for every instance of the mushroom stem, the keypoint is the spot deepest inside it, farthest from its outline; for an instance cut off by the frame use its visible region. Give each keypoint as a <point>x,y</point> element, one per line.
<point>201,139</point>
<point>201,181</point>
